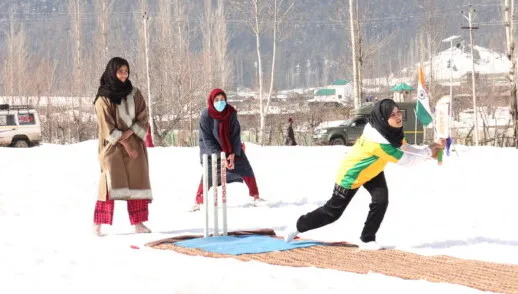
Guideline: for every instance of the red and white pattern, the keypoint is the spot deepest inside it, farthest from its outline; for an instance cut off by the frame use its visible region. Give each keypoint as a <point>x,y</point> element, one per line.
<point>137,209</point>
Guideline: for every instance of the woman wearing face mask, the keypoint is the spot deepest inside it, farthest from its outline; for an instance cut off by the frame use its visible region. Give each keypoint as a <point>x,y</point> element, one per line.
<point>220,131</point>
<point>122,118</point>
<point>382,142</point>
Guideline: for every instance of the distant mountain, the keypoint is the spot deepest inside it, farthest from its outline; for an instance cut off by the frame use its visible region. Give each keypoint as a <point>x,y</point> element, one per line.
<point>315,52</point>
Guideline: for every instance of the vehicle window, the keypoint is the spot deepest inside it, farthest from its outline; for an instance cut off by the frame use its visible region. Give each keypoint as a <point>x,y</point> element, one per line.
<point>361,122</point>
<point>403,113</point>
<point>26,119</point>
<point>7,120</point>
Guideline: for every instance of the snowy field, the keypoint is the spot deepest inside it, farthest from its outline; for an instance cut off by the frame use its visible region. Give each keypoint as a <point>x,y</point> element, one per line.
<point>467,208</point>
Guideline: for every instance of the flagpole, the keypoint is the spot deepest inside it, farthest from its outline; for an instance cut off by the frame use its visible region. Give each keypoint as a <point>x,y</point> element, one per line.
<point>415,128</point>
<point>424,134</point>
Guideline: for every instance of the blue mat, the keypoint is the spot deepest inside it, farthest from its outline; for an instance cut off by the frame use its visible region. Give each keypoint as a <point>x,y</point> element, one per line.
<point>236,245</point>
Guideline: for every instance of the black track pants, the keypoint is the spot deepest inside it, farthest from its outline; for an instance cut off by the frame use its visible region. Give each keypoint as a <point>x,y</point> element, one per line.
<point>334,207</point>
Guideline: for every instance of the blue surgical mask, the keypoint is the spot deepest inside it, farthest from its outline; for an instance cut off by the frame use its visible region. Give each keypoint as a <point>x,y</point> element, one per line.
<point>220,105</point>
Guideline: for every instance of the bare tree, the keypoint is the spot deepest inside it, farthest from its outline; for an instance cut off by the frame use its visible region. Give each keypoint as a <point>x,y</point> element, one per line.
<point>255,12</point>
<point>46,71</point>
<point>213,27</point>
<point>510,45</point>
<point>261,17</point>
<point>16,59</point>
<point>74,10</point>
<point>431,33</point>
<point>178,75</point>
<point>165,73</point>
<point>77,86</point>
<point>102,8</point>
<point>222,65</point>
<point>280,14</point>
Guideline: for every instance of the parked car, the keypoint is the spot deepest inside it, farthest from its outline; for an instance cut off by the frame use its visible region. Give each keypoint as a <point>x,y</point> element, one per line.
<point>19,126</point>
<point>348,131</point>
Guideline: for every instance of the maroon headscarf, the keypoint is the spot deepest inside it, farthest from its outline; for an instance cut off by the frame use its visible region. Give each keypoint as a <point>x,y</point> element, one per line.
<point>224,120</point>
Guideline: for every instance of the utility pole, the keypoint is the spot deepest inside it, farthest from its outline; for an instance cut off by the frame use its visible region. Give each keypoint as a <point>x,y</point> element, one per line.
<point>509,37</point>
<point>150,104</point>
<point>359,56</point>
<point>470,12</point>
<point>355,57</point>
<point>10,60</point>
<point>209,39</point>
<point>450,64</point>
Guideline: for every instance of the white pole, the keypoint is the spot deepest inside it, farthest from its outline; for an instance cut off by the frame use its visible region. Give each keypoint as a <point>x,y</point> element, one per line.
<point>415,128</point>
<point>354,42</point>
<point>224,191</point>
<point>215,191</point>
<point>475,110</point>
<point>205,161</point>
<point>424,134</point>
<point>450,109</point>
<point>451,88</point>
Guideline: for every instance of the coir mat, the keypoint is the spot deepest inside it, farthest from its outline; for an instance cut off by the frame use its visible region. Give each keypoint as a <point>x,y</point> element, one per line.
<point>343,256</point>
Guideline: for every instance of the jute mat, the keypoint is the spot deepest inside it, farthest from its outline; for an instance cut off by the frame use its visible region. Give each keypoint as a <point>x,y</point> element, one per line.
<point>480,275</point>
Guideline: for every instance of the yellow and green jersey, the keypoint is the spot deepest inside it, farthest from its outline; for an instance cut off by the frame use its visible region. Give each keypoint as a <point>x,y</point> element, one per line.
<point>369,156</point>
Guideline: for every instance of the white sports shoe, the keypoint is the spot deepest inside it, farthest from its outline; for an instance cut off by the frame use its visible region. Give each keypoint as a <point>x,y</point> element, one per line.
<point>259,202</point>
<point>372,245</point>
<point>196,207</point>
<point>290,233</point>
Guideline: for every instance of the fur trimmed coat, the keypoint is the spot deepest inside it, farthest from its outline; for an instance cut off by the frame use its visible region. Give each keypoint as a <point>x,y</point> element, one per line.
<point>122,177</point>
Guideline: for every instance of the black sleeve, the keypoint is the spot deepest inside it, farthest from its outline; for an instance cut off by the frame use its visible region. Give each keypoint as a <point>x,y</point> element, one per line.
<point>235,134</point>
<point>208,144</point>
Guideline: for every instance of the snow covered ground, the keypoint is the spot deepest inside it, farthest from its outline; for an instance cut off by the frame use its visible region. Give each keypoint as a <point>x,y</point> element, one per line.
<point>467,208</point>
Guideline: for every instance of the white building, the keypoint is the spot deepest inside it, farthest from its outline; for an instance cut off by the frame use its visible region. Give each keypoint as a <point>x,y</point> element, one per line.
<point>340,91</point>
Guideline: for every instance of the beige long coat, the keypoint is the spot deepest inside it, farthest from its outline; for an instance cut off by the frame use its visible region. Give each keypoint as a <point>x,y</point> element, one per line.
<point>122,177</point>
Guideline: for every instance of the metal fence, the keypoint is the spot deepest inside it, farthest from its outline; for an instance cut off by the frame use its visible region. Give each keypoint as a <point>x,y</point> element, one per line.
<point>489,136</point>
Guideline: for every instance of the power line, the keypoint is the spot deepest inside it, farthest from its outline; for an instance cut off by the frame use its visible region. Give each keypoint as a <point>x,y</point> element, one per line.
<point>436,14</point>
<point>339,23</point>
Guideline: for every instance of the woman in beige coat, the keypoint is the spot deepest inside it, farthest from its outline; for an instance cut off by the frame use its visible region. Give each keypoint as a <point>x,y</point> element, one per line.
<point>123,120</point>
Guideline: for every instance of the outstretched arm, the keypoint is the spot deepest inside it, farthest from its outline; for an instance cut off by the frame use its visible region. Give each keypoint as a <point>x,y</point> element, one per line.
<point>413,154</point>
<point>407,154</point>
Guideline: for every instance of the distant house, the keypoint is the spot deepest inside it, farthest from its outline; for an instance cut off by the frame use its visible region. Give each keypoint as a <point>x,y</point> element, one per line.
<point>339,91</point>
<point>402,92</point>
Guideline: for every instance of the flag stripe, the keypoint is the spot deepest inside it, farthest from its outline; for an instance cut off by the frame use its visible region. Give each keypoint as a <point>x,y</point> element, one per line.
<point>422,108</point>
<point>424,116</point>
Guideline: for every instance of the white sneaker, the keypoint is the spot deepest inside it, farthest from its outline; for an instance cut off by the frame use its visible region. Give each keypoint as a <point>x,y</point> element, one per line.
<point>372,245</point>
<point>196,207</point>
<point>290,233</point>
<point>259,202</point>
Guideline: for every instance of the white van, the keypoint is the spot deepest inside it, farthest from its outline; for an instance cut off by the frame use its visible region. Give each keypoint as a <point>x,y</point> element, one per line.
<point>19,126</point>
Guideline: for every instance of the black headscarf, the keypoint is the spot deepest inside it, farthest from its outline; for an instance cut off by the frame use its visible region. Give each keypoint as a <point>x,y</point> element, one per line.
<point>111,87</point>
<point>379,120</point>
